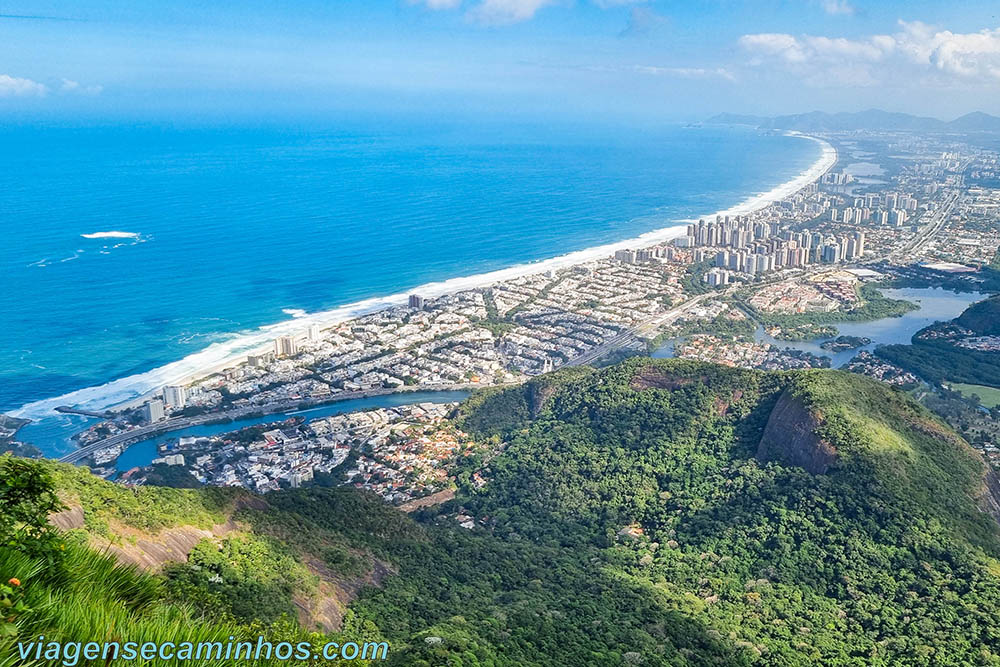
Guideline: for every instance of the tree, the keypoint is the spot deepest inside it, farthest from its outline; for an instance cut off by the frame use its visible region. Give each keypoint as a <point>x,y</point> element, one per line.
<point>27,498</point>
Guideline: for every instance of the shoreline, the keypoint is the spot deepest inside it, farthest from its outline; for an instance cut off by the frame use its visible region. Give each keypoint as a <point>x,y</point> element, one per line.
<point>226,354</point>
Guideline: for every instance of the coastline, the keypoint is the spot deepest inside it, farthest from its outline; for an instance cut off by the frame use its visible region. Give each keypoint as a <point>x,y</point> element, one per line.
<point>221,355</point>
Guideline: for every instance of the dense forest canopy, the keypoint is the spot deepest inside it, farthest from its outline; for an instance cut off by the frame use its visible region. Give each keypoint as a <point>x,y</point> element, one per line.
<point>982,317</point>
<point>655,513</point>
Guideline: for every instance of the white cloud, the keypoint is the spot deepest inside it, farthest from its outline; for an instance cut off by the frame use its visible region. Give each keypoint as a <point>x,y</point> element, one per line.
<point>686,72</point>
<point>12,86</point>
<point>838,7</point>
<point>504,12</point>
<point>75,87</point>
<point>782,46</point>
<point>501,12</point>
<point>938,57</point>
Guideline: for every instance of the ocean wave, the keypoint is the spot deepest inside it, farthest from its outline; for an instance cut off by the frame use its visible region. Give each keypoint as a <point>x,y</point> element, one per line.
<point>111,235</point>
<point>226,353</point>
<point>294,312</point>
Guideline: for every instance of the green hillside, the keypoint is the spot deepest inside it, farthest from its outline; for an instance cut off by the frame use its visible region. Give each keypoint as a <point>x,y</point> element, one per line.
<point>654,513</point>
<point>982,317</point>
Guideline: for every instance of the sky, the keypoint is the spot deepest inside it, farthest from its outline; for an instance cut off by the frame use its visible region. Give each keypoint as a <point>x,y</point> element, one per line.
<point>674,59</point>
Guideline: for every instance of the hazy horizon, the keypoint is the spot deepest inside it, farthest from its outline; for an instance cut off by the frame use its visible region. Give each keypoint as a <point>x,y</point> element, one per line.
<point>594,59</point>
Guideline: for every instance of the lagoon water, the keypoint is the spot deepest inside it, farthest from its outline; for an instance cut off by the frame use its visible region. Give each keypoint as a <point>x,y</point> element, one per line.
<point>130,248</point>
<point>936,305</point>
<point>142,453</point>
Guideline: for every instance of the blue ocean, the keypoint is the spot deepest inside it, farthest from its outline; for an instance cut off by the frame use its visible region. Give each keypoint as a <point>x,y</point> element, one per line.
<point>128,248</point>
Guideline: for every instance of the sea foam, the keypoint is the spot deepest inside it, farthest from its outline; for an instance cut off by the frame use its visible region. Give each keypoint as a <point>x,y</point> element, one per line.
<point>235,348</point>
<point>111,235</point>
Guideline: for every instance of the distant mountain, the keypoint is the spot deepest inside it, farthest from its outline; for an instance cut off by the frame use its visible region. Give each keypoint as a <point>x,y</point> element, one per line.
<point>977,121</point>
<point>872,119</point>
<point>738,119</point>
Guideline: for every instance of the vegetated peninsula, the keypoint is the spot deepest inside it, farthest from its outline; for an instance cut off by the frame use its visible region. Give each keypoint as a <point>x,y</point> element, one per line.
<point>962,350</point>
<point>653,512</point>
<point>841,343</point>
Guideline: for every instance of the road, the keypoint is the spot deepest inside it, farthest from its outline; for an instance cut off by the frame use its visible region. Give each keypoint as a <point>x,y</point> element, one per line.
<point>937,223</point>
<point>629,335</point>
<point>177,423</point>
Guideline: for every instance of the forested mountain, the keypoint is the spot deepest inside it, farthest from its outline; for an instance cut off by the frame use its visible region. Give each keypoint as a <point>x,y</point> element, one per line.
<point>654,513</point>
<point>982,317</point>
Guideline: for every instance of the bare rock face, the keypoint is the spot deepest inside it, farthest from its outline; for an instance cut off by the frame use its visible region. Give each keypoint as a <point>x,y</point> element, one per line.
<point>149,552</point>
<point>989,499</point>
<point>790,437</point>
<point>653,377</point>
<point>325,609</point>
<point>538,397</point>
<point>68,519</point>
<point>170,546</point>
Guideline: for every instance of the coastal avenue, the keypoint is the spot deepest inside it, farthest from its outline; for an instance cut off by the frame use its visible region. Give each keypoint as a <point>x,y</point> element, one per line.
<point>177,423</point>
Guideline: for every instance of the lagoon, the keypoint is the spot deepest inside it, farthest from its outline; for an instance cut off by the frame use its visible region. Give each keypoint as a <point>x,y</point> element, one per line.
<point>936,305</point>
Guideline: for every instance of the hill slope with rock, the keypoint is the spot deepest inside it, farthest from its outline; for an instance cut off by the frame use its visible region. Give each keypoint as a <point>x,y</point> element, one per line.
<point>655,512</point>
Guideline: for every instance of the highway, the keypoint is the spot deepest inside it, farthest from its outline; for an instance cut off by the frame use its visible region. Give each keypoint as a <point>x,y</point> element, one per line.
<point>937,223</point>
<point>630,335</point>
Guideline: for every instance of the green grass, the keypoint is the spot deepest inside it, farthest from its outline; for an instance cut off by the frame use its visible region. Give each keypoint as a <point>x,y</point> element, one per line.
<point>988,396</point>
<point>146,508</point>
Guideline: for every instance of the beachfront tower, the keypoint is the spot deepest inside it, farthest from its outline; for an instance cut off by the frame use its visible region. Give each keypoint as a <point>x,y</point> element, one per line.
<point>285,346</point>
<point>153,410</point>
<point>175,396</point>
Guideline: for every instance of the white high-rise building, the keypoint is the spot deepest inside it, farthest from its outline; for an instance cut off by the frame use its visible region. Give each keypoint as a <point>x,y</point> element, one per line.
<point>314,333</point>
<point>175,396</point>
<point>153,410</point>
<point>285,346</point>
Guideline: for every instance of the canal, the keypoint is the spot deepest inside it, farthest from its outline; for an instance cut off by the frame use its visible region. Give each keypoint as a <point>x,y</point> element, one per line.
<point>141,453</point>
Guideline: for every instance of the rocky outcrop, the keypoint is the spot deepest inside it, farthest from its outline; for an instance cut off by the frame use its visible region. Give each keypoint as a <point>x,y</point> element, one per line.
<point>169,546</point>
<point>539,395</point>
<point>655,377</point>
<point>790,437</point>
<point>321,609</point>
<point>325,609</point>
<point>149,552</point>
<point>68,519</point>
<point>989,499</point>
